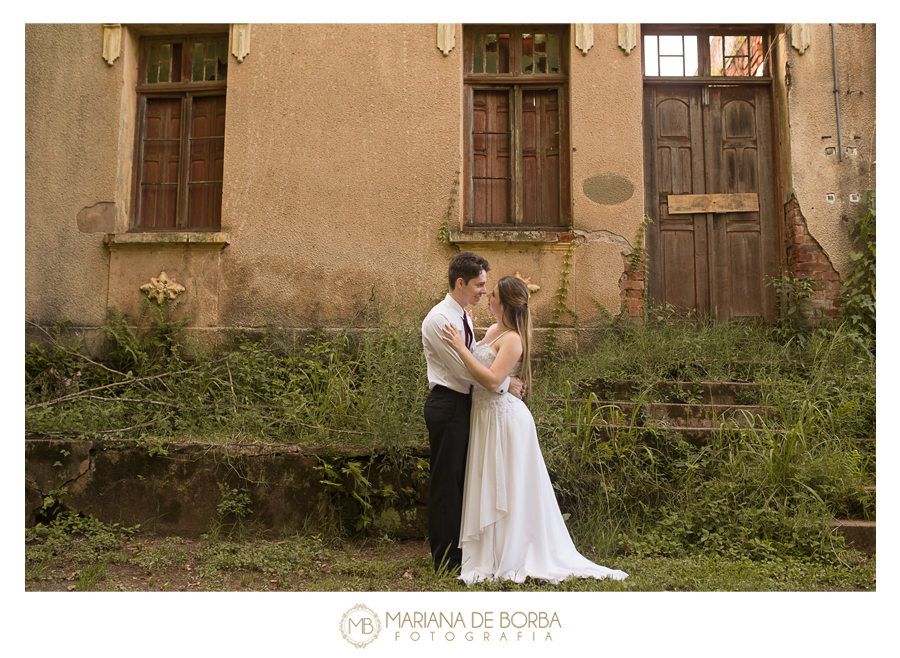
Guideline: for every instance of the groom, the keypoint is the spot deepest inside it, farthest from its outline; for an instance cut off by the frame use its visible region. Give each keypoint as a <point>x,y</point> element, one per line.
<point>449,404</point>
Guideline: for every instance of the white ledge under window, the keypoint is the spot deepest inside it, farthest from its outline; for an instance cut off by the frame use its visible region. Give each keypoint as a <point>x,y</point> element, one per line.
<point>194,239</point>
<point>512,239</point>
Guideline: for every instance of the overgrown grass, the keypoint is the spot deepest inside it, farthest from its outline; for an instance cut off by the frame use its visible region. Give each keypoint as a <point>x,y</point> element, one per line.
<point>362,386</point>
<point>750,493</point>
<point>762,493</point>
<point>78,554</point>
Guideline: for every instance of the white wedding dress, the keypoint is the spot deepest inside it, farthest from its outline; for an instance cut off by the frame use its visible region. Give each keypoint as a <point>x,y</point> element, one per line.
<point>511,524</point>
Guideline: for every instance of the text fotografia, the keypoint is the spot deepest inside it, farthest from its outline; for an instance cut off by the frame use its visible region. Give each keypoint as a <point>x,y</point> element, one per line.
<point>480,626</point>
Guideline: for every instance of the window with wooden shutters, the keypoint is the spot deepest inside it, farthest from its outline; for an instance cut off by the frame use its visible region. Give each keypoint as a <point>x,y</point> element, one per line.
<point>517,159</point>
<point>181,133</point>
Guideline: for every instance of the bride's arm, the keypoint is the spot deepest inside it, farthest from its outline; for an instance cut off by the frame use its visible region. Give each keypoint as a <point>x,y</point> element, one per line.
<point>491,378</point>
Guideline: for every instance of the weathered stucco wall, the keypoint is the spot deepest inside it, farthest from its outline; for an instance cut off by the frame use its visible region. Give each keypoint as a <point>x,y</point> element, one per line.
<point>343,144</point>
<point>607,166</point>
<point>72,103</point>
<point>816,169</point>
<point>340,183</point>
<point>344,147</point>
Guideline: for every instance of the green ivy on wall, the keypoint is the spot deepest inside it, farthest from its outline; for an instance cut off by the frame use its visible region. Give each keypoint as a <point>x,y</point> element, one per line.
<point>858,290</point>
<point>561,307</point>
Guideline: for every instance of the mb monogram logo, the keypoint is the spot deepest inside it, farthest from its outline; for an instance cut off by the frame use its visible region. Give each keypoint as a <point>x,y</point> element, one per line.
<point>360,626</point>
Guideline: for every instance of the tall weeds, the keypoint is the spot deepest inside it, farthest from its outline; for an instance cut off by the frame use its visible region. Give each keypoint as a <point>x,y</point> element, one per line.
<point>628,484</point>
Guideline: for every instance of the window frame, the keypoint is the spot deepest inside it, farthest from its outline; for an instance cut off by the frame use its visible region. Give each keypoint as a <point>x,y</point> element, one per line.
<point>186,91</point>
<point>516,84</point>
<point>703,34</point>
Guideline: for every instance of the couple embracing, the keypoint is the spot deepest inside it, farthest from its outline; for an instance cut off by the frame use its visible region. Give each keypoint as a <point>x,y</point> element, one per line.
<point>492,513</point>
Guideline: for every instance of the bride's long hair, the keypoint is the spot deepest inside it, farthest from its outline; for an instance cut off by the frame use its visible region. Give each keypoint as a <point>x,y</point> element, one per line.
<point>514,296</point>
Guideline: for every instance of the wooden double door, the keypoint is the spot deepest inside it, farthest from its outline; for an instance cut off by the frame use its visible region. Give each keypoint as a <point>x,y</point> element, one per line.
<point>711,195</point>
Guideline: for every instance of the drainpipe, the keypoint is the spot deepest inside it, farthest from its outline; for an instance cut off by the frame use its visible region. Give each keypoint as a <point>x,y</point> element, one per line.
<point>837,100</point>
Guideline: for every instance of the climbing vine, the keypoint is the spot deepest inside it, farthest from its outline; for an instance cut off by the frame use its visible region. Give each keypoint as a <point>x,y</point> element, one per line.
<point>637,254</point>
<point>444,229</point>
<point>858,291</point>
<point>561,306</point>
<point>638,257</point>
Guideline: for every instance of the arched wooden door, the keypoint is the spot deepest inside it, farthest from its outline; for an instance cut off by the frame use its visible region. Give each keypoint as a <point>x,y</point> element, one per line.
<point>710,193</point>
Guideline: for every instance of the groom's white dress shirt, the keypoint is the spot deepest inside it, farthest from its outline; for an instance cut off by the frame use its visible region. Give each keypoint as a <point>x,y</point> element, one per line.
<point>445,367</point>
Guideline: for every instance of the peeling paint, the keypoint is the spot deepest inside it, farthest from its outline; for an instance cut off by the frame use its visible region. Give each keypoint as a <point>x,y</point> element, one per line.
<point>605,236</point>
<point>99,218</point>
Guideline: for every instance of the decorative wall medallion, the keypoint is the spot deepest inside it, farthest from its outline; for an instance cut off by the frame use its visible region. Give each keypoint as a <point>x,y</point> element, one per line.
<point>532,288</point>
<point>628,36</point>
<point>112,42</point>
<point>240,40</point>
<point>446,37</point>
<point>162,287</point>
<point>608,189</point>
<point>584,37</point>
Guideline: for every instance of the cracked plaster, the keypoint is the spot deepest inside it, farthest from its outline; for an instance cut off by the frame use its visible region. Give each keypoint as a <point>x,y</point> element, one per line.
<point>606,237</point>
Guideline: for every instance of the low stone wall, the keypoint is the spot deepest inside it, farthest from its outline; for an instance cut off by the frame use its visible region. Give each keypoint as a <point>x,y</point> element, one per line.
<point>188,488</point>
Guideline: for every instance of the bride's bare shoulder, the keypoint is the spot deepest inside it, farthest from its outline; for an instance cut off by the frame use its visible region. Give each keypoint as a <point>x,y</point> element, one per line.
<point>490,333</point>
<point>510,340</point>
<point>512,336</point>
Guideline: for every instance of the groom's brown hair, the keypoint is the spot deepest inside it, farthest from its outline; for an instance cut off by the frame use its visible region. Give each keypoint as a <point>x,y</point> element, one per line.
<point>466,266</point>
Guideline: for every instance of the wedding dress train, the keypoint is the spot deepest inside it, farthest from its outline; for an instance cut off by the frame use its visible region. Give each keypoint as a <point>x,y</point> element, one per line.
<point>511,525</point>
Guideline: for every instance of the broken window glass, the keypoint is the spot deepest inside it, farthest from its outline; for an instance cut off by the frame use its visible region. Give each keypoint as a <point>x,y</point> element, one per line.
<point>736,55</point>
<point>491,53</point>
<point>540,53</point>
<point>209,61</point>
<point>676,55</point>
<point>159,63</point>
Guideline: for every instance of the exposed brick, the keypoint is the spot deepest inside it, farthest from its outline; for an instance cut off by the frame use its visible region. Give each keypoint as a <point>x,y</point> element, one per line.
<point>809,267</point>
<point>807,260</point>
<point>631,286</point>
<point>804,258</point>
<point>805,248</point>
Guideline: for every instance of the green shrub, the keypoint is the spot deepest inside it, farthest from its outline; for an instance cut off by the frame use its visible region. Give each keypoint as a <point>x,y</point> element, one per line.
<point>858,290</point>
<point>753,494</point>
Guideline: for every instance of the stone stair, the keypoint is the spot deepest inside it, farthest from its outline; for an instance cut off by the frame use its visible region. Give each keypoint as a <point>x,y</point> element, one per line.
<point>693,412</point>
<point>860,533</point>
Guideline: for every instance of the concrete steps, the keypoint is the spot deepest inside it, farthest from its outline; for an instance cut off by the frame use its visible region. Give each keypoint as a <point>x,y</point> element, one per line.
<point>693,412</point>
<point>678,414</point>
<point>706,393</point>
<point>859,533</point>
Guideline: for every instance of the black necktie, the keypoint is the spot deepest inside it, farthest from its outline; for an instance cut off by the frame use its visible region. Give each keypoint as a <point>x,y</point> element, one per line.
<point>468,340</point>
<point>468,333</point>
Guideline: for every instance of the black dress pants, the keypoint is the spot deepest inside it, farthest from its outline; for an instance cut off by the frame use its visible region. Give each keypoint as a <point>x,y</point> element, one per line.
<point>447,417</point>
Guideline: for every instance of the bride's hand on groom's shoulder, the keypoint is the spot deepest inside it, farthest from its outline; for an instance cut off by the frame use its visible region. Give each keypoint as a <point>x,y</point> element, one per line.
<point>453,337</point>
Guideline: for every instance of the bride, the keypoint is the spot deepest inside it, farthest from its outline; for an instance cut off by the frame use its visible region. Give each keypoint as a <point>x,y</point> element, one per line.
<point>511,524</point>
